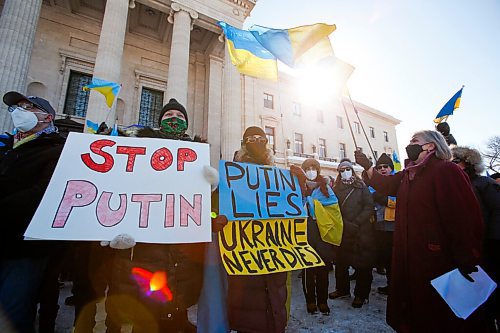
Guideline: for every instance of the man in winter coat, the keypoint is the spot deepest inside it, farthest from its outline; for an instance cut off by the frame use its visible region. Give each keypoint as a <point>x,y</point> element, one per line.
<point>27,161</point>
<point>182,263</point>
<point>438,228</point>
<point>385,209</point>
<point>488,194</point>
<point>257,303</point>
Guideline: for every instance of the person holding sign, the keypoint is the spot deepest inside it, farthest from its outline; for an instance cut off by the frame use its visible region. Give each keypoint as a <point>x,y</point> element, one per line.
<point>257,303</point>
<point>358,241</point>
<point>27,162</point>
<point>163,279</point>
<point>315,279</point>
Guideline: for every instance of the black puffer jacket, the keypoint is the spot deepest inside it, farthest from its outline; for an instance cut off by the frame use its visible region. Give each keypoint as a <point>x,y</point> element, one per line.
<point>358,242</point>
<point>183,263</point>
<point>25,173</point>
<point>488,195</point>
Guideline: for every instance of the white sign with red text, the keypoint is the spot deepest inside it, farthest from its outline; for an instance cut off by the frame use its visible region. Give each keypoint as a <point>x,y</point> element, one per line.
<point>103,186</point>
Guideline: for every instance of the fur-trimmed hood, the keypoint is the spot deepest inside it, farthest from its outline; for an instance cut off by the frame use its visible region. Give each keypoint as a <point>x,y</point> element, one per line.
<point>243,156</point>
<point>470,156</point>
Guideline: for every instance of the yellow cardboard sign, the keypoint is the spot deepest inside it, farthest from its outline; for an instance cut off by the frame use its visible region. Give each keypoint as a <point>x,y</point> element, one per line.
<point>266,246</point>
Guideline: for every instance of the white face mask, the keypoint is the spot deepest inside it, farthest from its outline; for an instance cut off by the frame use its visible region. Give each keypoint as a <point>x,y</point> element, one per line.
<point>346,175</point>
<point>23,120</point>
<point>311,174</point>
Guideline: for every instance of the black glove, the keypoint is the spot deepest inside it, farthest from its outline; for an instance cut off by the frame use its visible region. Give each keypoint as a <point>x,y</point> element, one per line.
<point>362,160</point>
<point>465,270</point>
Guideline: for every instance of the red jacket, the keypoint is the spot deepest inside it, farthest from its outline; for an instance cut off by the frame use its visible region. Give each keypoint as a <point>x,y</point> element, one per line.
<point>438,227</point>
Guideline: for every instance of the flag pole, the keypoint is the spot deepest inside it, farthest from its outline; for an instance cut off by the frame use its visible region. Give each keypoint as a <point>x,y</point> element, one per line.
<point>350,127</point>
<point>362,127</point>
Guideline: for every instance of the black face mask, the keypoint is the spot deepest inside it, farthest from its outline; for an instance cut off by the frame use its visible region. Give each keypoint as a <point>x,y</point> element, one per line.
<point>413,151</point>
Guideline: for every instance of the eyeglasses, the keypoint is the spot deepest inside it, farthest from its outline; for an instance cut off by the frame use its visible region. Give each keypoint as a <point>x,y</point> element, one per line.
<point>25,106</point>
<point>378,167</point>
<point>345,169</point>
<point>252,139</point>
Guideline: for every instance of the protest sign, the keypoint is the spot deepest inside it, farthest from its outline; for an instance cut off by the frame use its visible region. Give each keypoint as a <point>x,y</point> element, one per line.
<point>151,189</point>
<point>258,192</point>
<point>266,246</point>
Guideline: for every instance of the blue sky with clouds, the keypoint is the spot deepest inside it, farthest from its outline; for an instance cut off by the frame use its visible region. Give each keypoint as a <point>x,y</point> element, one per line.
<point>411,57</point>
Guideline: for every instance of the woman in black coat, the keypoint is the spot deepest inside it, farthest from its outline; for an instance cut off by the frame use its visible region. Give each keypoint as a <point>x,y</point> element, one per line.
<point>358,242</point>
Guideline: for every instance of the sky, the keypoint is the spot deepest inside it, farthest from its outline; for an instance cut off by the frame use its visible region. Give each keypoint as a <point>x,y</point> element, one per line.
<point>411,57</point>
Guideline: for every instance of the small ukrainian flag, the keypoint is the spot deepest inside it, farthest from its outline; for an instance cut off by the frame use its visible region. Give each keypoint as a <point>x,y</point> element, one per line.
<point>109,89</point>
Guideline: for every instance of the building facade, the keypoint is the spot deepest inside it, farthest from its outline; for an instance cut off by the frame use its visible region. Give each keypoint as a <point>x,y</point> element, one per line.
<point>158,49</point>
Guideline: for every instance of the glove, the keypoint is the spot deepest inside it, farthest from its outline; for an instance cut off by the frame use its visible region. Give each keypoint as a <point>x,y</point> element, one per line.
<point>211,175</point>
<point>466,270</point>
<point>322,186</point>
<point>362,160</point>
<point>122,242</point>
<point>218,223</point>
<point>297,171</point>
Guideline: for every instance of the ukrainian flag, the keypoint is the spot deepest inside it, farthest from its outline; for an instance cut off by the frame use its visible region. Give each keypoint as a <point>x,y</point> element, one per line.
<point>248,55</point>
<point>303,44</point>
<point>449,107</point>
<point>92,127</point>
<point>397,163</point>
<point>109,89</point>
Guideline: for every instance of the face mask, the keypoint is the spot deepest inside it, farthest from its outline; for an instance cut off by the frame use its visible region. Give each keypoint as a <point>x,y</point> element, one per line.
<point>256,148</point>
<point>346,175</point>
<point>414,151</point>
<point>311,174</point>
<point>23,120</point>
<point>174,125</point>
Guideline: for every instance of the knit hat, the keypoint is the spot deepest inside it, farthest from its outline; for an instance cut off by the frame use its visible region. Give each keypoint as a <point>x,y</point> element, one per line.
<point>173,105</point>
<point>385,159</point>
<point>443,128</point>
<point>311,162</point>
<point>345,163</point>
<point>253,130</point>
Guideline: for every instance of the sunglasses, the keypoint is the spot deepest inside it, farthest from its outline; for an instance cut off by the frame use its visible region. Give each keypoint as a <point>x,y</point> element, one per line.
<point>345,169</point>
<point>378,167</point>
<point>252,139</point>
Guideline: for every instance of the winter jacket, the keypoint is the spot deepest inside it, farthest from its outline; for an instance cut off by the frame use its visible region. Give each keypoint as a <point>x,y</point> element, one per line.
<point>438,228</point>
<point>257,303</point>
<point>358,240</point>
<point>183,263</point>
<point>488,194</point>
<point>25,173</point>
<point>381,203</point>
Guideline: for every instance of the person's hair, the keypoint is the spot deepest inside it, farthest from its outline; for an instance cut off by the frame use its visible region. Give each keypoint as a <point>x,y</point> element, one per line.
<point>443,152</point>
<point>471,157</point>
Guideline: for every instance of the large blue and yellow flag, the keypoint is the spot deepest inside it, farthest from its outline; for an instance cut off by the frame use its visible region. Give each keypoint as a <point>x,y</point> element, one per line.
<point>397,162</point>
<point>304,44</point>
<point>109,89</point>
<point>449,107</point>
<point>248,55</point>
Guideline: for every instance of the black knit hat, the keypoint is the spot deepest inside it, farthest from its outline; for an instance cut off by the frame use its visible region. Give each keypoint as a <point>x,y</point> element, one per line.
<point>443,128</point>
<point>385,159</point>
<point>253,130</point>
<point>173,105</point>
<point>311,162</point>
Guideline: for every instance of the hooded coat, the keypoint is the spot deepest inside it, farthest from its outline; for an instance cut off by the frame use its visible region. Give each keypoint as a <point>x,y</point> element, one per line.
<point>256,303</point>
<point>438,228</point>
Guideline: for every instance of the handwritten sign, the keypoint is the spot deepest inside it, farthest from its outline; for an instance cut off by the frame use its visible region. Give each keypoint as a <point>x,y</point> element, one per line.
<point>258,192</point>
<point>266,246</point>
<point>151,189</point>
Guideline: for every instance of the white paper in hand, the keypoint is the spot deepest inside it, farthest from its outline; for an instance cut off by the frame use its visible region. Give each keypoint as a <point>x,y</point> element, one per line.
<point>462,296</point>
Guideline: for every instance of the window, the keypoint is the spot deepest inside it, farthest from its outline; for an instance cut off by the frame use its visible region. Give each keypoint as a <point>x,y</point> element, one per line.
<point>270,136</point>
<point>151,105</point>
<point>340,123</point>
<point>296,109</point>
<point>322,148</point>
<point>320,117</point>
<point>357,128</point>
<point>268,101</point>
<point>342,150</point>
<point>372,132</point>
<point>376,154</point>
<point>77,100</point>
<point>299,143</point>
<point>386,136</point>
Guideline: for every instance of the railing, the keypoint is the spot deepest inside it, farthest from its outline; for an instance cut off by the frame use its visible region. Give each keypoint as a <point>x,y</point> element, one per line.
<point>303,155</point>
<point>328,159</point>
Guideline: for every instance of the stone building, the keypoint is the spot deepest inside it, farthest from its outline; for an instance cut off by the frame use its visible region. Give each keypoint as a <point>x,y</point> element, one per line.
<point>158,49</point>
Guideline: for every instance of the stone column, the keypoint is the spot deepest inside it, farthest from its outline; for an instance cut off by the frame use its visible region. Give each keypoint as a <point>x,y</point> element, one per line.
<point>108,61</point>
<point>214,108</point>
<point>18,23</point>
<point>178,67</point>
<point>231,126</point>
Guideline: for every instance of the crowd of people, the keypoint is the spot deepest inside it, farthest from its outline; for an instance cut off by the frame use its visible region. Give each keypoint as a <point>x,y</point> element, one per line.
<point>437,214</point>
